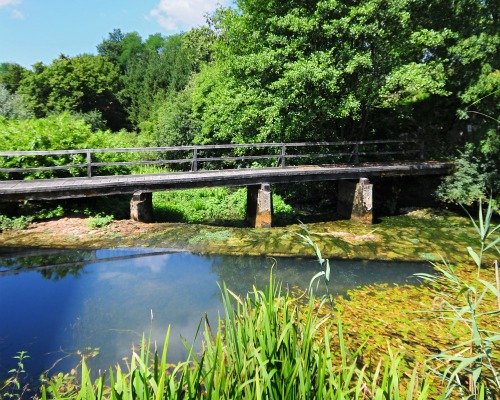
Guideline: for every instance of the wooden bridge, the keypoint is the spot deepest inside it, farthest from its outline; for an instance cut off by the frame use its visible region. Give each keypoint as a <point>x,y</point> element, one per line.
<point>76,173</point>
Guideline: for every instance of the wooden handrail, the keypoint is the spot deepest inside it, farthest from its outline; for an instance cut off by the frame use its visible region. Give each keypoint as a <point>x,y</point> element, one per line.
<point>89,162</point>
<point>193,147</point>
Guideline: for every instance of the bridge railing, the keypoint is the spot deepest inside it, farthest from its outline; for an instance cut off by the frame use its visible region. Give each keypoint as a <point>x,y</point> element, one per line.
<point>112,161</point>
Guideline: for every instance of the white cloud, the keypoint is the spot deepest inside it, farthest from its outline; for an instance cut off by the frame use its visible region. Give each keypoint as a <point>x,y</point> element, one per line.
<point>16,14</point>
<point>174,15</point>
<point>5,3</point>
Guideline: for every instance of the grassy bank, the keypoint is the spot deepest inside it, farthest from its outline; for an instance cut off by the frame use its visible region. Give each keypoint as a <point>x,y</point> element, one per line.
<point>440,340</point>
<point>419,235</point>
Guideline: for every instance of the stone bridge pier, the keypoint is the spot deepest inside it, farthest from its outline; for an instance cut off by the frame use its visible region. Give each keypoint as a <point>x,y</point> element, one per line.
<point>260,205</point>
<point>355,200</point>
<point>141,207</point>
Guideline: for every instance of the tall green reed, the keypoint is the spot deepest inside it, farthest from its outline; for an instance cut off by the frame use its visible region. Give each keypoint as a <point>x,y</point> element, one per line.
<point>268,345</point>
<point>470,368</point>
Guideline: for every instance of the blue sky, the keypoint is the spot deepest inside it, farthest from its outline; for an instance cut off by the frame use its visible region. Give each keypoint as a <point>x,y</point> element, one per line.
<point>40,30</point>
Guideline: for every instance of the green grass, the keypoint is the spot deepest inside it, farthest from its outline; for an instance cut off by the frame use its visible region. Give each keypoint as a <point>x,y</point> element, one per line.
<point>209,205</point>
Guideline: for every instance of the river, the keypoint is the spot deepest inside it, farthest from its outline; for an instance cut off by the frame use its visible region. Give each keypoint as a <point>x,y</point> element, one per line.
<point>59,304</point>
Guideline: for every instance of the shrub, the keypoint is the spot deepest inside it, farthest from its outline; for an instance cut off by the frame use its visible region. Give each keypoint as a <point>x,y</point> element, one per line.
<point>63,131</point>
<point>12,105</point>
<point>99,221</point>
<point>15,223</point>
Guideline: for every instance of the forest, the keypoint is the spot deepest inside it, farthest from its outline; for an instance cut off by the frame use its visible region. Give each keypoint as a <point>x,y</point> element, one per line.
<point>272,71</point>
<point>263,71</point>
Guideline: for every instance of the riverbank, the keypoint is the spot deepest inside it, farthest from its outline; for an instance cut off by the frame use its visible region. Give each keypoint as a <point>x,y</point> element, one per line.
<point>418,235</point>
<point>380,319</point>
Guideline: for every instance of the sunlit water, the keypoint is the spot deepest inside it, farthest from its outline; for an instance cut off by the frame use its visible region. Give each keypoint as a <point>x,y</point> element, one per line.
<point>107,299</point>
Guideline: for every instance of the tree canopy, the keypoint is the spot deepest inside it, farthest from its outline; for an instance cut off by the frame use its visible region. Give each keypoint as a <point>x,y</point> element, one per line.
<point>82,84</point>
<point>268,70</point>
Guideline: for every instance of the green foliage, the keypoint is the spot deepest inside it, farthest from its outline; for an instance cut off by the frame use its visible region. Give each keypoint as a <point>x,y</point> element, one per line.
<point>413,83</point>
<point>477,173</point>
<point>153,70</point>
<point>62,131</point>
<point>267,345</point>
<point>12,387</point>
<point>171,122</point>
<point>99,221</point>
<point>93,118</point>
<point>467,184</point>
<point>11,75</point>
<point>210,205</point>
<point>49,213</point>
<point>308,71</point>
<point>15,223</point>
<point>13,105</point>
<point>80,84</point>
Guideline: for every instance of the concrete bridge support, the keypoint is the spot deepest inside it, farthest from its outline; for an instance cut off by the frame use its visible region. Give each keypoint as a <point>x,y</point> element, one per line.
<point>141,207</point>
<point>260,205</point>
<point>355,200</point>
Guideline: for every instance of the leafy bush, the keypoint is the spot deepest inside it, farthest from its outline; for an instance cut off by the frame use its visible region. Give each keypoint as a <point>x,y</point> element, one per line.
<point>477,173</point>
<point>48,213</point>
<point>467,184</point>
<point>99,221</point>
<point>13,105</point>
<point>63,131</point>
<point>7,223</point>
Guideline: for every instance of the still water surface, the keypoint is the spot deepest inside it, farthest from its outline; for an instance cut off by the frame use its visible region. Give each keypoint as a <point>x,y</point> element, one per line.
<point>107,299</point>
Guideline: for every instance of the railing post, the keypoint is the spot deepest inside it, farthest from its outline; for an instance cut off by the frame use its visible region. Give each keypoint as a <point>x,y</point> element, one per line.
<point>422,150</point>
<point>283,155</point>
<point>89,164</point>
<point>194,163</point>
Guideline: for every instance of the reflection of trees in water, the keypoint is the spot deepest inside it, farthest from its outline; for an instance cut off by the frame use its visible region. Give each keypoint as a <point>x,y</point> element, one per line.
<point>57,264</point>
<point>51,264</point>
<point>241,273</point>
<point>57,273</point>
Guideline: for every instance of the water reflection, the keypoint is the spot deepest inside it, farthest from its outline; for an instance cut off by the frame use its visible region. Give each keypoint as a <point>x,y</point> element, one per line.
<point>55,303</point>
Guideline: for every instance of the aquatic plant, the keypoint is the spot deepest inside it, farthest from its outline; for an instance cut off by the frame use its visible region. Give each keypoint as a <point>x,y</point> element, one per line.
<point>13,387</point>
<point>470,367</point>
<point>268,345</point>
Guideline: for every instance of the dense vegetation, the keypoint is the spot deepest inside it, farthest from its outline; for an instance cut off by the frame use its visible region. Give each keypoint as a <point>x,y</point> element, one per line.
<point>294,71</point>
<point>442,343</point>
<point>277,71</point>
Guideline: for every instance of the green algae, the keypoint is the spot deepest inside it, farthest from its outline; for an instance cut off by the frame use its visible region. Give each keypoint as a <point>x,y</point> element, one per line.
<point>425,235</point>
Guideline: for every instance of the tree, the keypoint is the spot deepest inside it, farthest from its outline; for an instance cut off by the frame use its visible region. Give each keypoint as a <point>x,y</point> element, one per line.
<point>11,75</point>
<point>82,84</point>
<point>319,69</point>
<point>163,67</point>
<point>13,105</point>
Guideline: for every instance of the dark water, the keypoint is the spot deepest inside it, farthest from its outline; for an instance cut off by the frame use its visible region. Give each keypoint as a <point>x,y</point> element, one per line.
<point>107,299</point>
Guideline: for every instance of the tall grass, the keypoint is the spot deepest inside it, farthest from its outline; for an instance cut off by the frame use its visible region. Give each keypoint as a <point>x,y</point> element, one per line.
<point>471,367</point>
<point>268,346</point>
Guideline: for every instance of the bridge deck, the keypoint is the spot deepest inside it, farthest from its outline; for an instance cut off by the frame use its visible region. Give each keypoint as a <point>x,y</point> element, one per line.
<point>64,188</point>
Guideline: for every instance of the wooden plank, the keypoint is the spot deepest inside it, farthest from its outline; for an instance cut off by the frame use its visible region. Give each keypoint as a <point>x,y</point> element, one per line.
<point>99,186</point>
